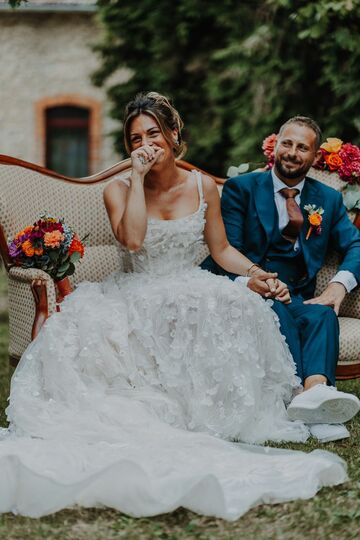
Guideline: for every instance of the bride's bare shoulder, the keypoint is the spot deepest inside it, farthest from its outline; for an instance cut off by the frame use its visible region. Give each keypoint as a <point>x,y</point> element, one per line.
<point>209,185</point>
<point>118,185</point>
<point>116,190</point>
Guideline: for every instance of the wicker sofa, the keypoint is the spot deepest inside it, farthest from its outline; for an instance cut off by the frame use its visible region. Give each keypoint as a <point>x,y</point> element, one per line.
<point>28,191</point>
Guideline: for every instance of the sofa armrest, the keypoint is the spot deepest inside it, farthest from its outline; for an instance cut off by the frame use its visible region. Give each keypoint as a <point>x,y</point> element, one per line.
<point>351,304</point>
<point>31,300</point>
<point>27,275</point>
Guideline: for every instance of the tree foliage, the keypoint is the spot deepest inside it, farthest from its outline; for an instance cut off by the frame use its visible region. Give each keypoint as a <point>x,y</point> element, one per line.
<point>16,3</point>
<point>236,70</point>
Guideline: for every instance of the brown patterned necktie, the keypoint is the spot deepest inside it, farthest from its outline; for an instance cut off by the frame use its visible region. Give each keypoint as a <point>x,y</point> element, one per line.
<point>296,219</point>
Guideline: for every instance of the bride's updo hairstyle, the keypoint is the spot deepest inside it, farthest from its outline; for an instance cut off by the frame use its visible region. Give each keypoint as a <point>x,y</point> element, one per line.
<point>167,117</point>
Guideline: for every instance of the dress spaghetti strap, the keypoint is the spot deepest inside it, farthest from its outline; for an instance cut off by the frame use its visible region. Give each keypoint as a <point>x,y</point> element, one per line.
<point>199,185</point>
<point>122,179</point>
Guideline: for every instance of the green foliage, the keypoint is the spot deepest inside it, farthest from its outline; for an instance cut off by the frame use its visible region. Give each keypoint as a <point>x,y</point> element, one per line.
<point>236,70</point>
<point>16,3</point>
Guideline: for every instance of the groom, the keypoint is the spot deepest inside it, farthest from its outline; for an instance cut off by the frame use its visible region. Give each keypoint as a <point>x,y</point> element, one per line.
<point>266,215</point>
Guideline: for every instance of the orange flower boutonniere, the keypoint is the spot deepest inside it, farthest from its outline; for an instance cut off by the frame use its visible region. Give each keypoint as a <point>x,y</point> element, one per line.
<point>314,218</point>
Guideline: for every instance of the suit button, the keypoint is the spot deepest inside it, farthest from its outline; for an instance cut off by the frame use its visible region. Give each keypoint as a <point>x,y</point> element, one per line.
<point>291,280</point>
<point>267,259</point>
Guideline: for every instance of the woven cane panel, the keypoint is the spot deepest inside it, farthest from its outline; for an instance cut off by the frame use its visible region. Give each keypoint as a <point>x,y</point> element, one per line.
<point>350,307</point>
<point>21,316</point>
<point>202,254</point>
<point>17,273</point>
<point>330,179</point>
<point>97,263</point>
<point>349,341</point>
<point>22,306</point>
<point>327,272</point>
<point>26,195</point>
<point>29,274</point>
<point>333,180</point>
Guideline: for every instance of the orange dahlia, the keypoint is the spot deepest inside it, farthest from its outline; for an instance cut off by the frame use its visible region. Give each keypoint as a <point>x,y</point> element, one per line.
<point>76,245</point>
<point>53,239</point>
<point>28,248</point>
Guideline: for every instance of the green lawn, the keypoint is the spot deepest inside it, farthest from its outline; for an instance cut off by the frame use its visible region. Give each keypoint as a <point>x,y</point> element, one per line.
<point>333,514</point>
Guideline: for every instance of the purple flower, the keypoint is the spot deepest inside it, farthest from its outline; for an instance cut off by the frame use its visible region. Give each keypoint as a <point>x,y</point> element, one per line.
<point>24,237</point>
<point>36,234</point>
<point>14,250</point>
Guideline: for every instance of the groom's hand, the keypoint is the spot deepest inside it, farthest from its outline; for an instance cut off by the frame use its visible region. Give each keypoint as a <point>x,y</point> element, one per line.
<point>282,293</point>
<point>264,283</point>
<point>333,295</point>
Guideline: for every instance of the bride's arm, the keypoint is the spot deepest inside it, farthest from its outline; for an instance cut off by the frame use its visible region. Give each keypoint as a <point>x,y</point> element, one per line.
<point>125,205</point>
<point>230,258</point>
<point>221,251</point>
<point>127,211</point>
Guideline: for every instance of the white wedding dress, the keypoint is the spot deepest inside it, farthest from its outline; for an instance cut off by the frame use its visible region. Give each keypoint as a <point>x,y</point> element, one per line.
<point>133,395</point>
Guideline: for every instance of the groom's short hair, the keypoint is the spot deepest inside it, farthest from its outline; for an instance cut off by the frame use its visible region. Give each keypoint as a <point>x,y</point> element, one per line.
<point>308,122</point>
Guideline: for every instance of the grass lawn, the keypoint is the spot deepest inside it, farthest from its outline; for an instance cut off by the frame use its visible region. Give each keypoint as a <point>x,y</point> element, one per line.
<point>333,514</point>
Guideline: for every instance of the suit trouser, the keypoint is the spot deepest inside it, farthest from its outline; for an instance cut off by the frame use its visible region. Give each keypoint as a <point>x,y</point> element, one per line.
<point>312,334</point>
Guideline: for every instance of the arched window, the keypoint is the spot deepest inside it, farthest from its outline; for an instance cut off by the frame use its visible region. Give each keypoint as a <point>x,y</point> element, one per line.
<point>67,140</point>
<point>68,134</point>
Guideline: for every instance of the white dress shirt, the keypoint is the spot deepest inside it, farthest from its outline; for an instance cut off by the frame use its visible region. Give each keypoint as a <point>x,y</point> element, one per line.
<point>344,277</point>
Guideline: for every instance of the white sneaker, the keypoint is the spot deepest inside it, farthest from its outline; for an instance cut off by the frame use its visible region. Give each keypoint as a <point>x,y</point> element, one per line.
<point>323,404</point>
<point>329,432</point>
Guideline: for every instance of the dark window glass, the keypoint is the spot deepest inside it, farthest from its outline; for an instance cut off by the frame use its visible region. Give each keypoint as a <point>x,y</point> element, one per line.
<point>67,140</point>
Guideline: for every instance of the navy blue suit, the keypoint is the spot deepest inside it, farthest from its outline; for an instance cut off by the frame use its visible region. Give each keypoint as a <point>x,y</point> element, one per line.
<point>251,222</point>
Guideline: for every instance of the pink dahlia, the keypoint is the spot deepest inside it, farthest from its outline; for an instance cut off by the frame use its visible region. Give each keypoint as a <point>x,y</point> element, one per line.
<point>350,171</point>
<point>349,153</point>
<point>268,146</point>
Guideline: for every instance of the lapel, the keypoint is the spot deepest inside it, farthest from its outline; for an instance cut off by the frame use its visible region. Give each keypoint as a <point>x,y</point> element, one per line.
<point>265,203</point>
<point>309,195</point>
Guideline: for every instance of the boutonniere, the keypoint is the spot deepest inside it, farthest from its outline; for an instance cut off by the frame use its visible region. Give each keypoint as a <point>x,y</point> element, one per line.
<point>314,218</point>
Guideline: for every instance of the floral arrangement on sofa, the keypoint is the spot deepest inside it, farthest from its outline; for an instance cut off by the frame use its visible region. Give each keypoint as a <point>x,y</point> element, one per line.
<point>336,157</point>
<point>340,157</point>
<point>50,245</point>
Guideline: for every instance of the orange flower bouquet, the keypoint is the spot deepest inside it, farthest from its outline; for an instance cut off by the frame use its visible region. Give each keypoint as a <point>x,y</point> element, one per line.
<point>340,157</point>
<point>50,245</point>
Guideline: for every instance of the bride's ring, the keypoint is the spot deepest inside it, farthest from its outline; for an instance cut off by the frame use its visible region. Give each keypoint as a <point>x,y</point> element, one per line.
<point>142,160</point>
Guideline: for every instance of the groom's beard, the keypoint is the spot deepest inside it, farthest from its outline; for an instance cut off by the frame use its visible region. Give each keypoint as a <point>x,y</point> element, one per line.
<point>296,172</point>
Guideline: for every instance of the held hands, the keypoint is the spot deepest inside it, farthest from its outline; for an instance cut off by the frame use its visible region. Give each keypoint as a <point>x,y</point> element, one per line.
<point>333,295</point>
<point>143,158</point>
<point>266,284</point>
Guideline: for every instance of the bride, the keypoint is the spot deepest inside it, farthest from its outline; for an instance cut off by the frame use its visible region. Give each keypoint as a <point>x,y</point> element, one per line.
<point>136,395</point>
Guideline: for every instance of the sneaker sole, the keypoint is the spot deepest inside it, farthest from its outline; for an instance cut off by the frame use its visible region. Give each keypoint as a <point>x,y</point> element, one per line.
<point>330,411</point>
<point>331,439</point>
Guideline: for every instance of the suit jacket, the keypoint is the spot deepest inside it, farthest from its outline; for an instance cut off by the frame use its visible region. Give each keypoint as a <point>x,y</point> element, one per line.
<point>248,210</point>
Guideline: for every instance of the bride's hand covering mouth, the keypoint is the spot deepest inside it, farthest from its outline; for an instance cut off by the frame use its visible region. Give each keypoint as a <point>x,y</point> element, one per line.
<point>144,157</point>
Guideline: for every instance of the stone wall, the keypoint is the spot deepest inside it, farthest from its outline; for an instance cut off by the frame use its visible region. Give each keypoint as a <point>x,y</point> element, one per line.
<point>46,56</point>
